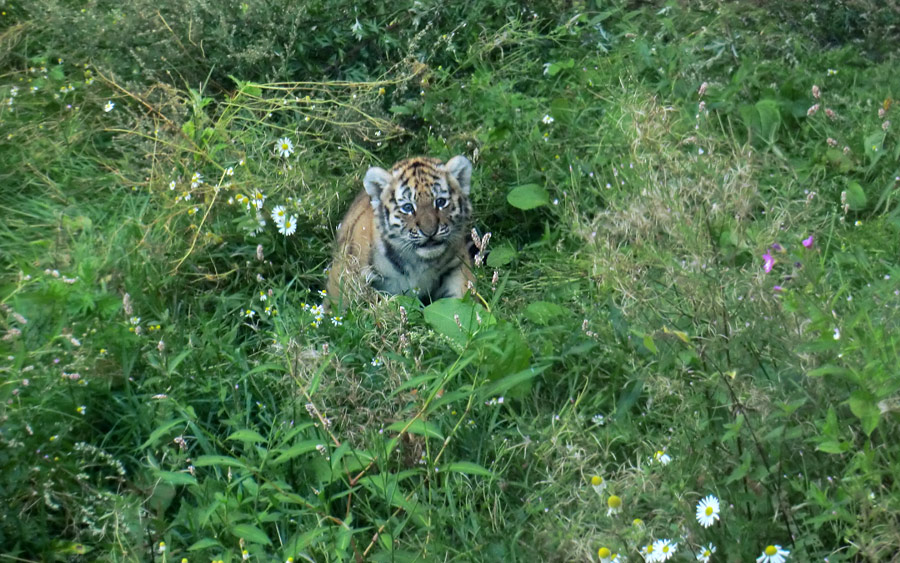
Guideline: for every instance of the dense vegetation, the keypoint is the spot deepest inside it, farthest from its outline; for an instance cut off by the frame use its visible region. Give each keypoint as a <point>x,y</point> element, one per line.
<point>693,285</point>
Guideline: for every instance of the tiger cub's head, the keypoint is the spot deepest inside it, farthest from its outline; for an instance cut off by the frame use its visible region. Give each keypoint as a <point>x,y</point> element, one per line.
<point>422,205</point>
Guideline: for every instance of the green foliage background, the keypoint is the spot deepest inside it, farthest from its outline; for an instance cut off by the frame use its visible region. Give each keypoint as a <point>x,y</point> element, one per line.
<point>168,391</point>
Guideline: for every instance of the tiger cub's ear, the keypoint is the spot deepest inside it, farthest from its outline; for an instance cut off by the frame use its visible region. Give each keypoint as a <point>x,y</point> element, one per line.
<point>375,181</point>
<point>461,169</point>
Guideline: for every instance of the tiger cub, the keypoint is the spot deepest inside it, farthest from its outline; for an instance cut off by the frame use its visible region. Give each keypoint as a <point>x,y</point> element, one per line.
<point>406,233</point>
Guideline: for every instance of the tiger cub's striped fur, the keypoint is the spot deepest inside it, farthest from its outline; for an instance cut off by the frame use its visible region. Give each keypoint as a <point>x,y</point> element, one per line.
<point>406,233</point>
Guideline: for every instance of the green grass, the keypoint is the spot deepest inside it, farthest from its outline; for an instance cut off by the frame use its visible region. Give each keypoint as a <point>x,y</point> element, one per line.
<point>167,392</point>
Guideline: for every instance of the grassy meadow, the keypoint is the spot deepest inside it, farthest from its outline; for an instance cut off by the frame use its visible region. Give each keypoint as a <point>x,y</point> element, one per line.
<point>692,288</point>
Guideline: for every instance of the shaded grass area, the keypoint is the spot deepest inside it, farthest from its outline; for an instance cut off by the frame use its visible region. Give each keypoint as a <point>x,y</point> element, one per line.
<point>705,302</point>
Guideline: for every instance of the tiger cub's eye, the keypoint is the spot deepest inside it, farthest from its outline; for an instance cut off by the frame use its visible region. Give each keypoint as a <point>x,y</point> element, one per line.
<point>407,208</point>
<point>440,203</point>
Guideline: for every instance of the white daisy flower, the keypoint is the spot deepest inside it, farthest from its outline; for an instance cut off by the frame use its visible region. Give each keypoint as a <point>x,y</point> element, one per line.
<point>662,457</point>
<point>705,553</point>
<point>598,483</point>
<point>229,171</point>
<point>284,147</point>
<point>249,313</point>
<point>196,179</point>
<point>547,119</point>
<point>288,227</point>
<point>649,553</point>
<point>279,214</point>
<point>664,549</point>
<point>773,554</point>
<point>259,199</point>
<point>172,185</point>
<point>337,321</point>
<point>605,555</point>
<point>109,106</point>
<point>376,362</point>
<point>708,511</point>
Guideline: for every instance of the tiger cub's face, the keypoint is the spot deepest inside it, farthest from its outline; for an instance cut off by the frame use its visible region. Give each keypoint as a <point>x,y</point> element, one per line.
<point>422,205</point>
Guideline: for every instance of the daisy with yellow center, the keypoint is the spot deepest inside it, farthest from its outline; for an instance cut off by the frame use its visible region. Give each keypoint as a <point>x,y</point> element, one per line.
<point>607,556</point>
<point>284,147</point>
<point>664,549</point>
<point>259,199</point>
<point>598,483</point>
<point>705,553</point>
<point>279,214</point>
<point>289,226</point>
<point>708,511</point>
<point>615,505</point>
<point>773,554</point>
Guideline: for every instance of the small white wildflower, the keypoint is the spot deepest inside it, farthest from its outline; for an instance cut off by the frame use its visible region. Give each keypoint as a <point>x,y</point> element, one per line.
<point>285,147</point>
<point>288,227</point>
<point>708,511</point>
<point>109,106</point>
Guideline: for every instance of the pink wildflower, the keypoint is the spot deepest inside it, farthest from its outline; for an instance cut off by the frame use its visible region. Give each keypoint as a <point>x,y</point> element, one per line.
<point>769,262</point>
<point>808,242</point>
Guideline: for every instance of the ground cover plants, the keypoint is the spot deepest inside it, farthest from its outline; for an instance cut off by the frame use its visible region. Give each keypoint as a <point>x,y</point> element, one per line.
<point>684,344</point>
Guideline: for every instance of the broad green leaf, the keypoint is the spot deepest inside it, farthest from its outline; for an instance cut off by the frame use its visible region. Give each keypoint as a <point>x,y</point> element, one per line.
<point>874,146</point>
<point>159,432</point>
<point>650,345</point>
<point>501,350</point>
<point>865,407</point>
<point>528,196</point>
<point>246,435</point>
<point>419,427</point>
<point>223,460</point>
<point>543,312</point>
<point>298,449</point>
<point>827,370</point>
<point>856,196</point>
<point>204,544</point>
<point>188,129</point>
<point>501,255</point>
<point>466,467</point>
<point>250,533</point>
<point>401,110</point>
<point>175,478</point>
<point>443,314</point>
<point>833,447</point>
<point>769,118</point>
<point>554,68</point>
<point>501,386</point>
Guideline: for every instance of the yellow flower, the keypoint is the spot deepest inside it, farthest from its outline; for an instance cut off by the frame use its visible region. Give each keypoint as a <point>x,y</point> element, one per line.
<point>615,505</point>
